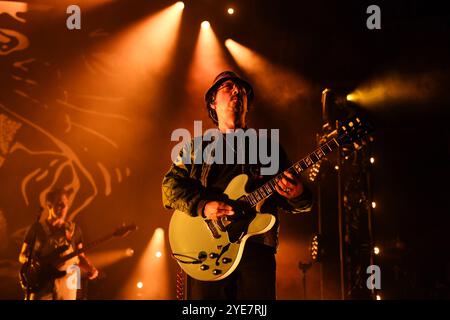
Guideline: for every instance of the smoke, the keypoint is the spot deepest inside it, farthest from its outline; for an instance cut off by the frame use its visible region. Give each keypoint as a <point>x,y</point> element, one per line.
<point>278,86</point>
<point>397,88</point>
<point>274,83</point>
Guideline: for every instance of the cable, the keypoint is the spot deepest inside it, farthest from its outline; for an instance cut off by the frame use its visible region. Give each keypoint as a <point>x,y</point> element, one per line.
<point>180,284</point>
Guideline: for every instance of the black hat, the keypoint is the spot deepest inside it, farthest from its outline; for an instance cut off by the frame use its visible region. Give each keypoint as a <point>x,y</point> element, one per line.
<point>221,78</point>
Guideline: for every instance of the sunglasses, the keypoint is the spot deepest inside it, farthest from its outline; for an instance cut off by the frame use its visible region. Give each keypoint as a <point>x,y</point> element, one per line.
<point>229,86</point>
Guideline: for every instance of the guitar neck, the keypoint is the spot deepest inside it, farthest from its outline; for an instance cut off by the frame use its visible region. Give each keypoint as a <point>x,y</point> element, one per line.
<point>85,248</point>
<point>267,189</point>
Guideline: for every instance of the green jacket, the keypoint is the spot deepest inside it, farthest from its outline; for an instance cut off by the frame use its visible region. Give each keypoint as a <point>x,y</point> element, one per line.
<point>185,188</point>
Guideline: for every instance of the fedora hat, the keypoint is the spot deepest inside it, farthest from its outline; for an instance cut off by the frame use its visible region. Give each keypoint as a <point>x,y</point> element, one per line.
<point>221,78</point>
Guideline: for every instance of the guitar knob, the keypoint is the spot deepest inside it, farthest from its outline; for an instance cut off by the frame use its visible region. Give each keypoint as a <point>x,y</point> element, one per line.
<point>213,255</point>
<point>202,256</point>
<point>216,272</point>
<point>204,267</point>
<point>226,260</point>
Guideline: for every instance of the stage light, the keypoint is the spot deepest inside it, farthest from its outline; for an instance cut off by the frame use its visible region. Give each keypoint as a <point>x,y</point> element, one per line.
<point>279,86</point>
<point>205,25</point>
<point>159,234</point>
<point>336,167</point>
<point>372,160</point>
<point>208,60</point>
<point>393,88</point>
<point>158,34</point>
<point>354,96</point>
<point>374,204</point>
<point>376,250</point>
<point>378,297</point>
<point>314,171</point>
<point>230,11</point>
<point>179,5</point>
<point>315,248</point>
<point>102,259</point>
<point>152,269</point>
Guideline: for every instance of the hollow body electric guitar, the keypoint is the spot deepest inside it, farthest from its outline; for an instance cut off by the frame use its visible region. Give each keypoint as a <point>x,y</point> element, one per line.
<point>39,271</point>
<point>211,250</point>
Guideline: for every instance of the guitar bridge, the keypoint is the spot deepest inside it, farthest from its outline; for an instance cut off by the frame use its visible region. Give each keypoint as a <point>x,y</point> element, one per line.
<point>221,225</point>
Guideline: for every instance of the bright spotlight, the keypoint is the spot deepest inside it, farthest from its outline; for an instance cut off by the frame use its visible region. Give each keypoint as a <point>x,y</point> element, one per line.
<point>157,33</point>
<point>207,61</point>
<point>372,160</point>
<point>150,270</point>
<point>378,297</point>
<point>230,11</point>
<point>159,233</point>
<point>376,250</point>
<point>374,204</point>
<point>179,5</point>
<point>205,25</point>
<point>129,252</point>
<point>354,96</point>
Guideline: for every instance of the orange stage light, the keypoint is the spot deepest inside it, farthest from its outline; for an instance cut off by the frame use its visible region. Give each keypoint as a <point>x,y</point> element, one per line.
<point>276,84</point>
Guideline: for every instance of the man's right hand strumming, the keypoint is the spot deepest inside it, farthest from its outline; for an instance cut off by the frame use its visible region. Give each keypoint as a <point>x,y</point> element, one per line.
<point>216,209</point>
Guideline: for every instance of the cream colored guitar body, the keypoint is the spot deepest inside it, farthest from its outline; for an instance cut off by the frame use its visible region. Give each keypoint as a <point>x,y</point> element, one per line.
<point>203,247</point>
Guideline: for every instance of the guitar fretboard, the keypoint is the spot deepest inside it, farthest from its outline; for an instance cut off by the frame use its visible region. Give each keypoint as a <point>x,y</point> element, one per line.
<point>268,188</point>
<point>85,248</point>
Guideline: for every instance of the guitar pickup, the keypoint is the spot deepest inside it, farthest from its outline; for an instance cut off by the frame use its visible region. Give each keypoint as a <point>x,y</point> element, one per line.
<point>212,228</point>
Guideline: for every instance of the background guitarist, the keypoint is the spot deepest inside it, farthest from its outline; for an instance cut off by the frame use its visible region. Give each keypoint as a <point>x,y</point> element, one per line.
<point>197,190</point>
<point>51,233</point>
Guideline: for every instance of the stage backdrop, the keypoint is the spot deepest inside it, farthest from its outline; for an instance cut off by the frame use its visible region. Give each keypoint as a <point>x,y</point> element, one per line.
<point>92,110</point>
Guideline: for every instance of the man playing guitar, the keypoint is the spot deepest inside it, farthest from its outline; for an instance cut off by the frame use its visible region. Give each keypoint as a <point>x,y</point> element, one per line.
<point>48,235</point>
<point>196,189</point>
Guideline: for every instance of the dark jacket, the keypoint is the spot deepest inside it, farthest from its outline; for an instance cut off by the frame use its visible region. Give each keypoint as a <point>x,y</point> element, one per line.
<point>186,187</point>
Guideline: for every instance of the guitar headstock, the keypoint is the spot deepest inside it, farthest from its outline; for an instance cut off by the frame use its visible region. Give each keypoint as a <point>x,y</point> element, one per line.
<point>124,230</point>
<point>352,130</point>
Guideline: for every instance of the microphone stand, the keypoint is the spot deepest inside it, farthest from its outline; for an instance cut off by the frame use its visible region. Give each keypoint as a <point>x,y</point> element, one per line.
<point>304,267</point>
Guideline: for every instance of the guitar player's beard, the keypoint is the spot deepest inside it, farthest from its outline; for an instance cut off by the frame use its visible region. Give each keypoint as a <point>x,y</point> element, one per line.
<point>238,110</point>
